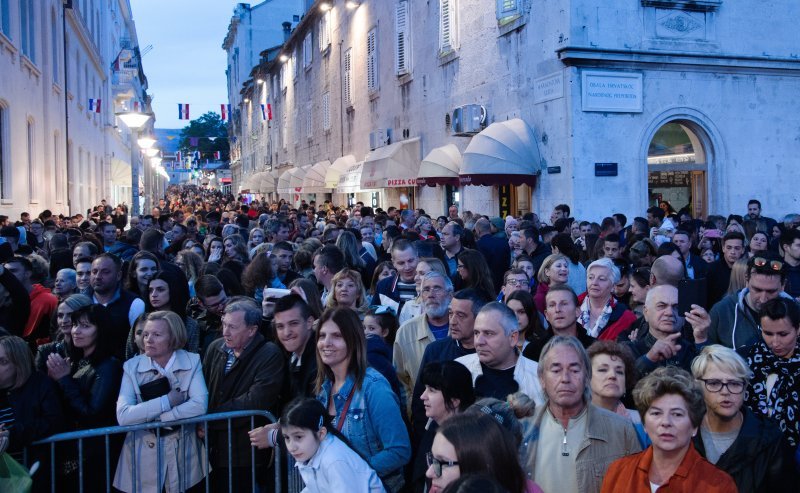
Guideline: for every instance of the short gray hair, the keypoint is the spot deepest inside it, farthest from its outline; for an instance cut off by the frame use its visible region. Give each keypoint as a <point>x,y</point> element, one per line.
<point>448,284</point>
<point>508,320</point>
<point>72,276</point>
<point>252,310</point>
<point>583,356</point>
<point>608,264</point>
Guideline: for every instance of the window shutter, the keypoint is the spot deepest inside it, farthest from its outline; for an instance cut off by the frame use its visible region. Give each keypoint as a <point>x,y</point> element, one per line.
<point>308,55</point>
<point>326,111</point>
<point>325,31</point>
<point>294,64</point>
<point>348,76</point>
<point>285,130</point>
<point>372,61</point>
<point>403,53</point>
<point>445,26</point>
<point>507,8</point>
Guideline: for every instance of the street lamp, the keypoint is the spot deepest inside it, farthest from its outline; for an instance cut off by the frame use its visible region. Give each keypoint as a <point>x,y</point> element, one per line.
<point>146,142</point>
<point>134,121</point>
<point>151,152</point>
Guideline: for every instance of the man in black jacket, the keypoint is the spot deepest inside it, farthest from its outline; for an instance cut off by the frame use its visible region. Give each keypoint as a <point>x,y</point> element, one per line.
<point>534,247</point>
<point>495,250</point>
<point>293,326</point>
<point>243,372</point>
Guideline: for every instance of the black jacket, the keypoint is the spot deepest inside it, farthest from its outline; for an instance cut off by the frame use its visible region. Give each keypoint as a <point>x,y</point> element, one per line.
<point>37,411</point>
<point>14,320</point>
<point>254,382</point>
<point>498,255</point>
<point>719,276</point>
<point>302,378</point>
<point>379,356</point>
<point>759,460</point>
<point>644,366</point>
<point>90,394</point>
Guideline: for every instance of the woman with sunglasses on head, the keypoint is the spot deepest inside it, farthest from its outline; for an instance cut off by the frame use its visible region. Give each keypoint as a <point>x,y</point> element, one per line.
<point>749,447</point>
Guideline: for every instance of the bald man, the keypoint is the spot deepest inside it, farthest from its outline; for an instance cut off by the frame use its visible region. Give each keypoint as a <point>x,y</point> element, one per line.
<point>664,344</point>
<point>666,270</point>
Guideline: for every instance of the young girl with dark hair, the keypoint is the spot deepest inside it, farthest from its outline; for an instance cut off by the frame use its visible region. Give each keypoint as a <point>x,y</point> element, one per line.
<point>325,459</point>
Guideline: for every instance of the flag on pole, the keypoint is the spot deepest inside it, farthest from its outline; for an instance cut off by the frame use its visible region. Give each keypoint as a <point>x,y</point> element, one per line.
<point>183,111</point>
<point>115,64</point>
<point>94,105</point>
<point>217,155</point>
<point>179,156</point>
<point>225,111</point>
<point>135,107</point>
<point>269,112</point>
<point>264,112</point>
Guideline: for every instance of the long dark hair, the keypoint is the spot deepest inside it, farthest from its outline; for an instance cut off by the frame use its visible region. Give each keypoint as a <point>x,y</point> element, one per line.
<point>353,335</point>
<point>566,247</point>
<point>534,331</point>
<point>131,284</point>
<point>178,293</point>
<point>257,274</point>
<point>482,445</point>
<point>100,317</point>
<point>480,277</point>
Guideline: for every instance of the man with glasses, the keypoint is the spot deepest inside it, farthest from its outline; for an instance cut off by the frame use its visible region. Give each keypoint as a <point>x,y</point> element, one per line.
<point>208,310</point>
<point>734,320</point>
<point>416,334</point>
<point>515,279</point>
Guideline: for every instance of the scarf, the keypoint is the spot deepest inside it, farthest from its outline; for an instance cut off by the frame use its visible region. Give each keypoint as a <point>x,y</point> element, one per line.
<point>601,321</point>
<point>782,404</point>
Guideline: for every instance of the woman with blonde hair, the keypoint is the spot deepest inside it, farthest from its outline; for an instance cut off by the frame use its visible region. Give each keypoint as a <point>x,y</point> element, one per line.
<point>738,275</point>
<point>348,291</point>
<point>164,384</point>
<point>553,272</point>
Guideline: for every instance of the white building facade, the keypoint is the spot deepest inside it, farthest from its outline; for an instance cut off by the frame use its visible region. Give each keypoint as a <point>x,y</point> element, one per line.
<point>606,106</point>
<point>58,150</point>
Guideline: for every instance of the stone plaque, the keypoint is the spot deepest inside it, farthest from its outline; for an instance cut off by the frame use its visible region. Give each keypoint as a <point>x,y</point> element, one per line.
<point>548,87</point>
<point>615,92</point>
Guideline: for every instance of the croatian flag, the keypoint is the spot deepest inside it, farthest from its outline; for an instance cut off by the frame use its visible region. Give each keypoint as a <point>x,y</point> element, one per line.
<point>266,112</point>
<point>94,105</point>
<point>183,111</point>
<point>217,155</point>
<point>136,106</point>
<point>225,111</point>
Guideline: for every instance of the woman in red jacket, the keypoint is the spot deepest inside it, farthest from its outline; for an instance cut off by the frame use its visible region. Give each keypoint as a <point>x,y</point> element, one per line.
<point>601,314</point>
<point>671,404</point>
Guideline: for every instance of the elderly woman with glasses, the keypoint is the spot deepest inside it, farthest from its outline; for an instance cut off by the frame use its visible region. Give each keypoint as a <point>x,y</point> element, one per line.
<point>749,447</point>
<point>602,315</point>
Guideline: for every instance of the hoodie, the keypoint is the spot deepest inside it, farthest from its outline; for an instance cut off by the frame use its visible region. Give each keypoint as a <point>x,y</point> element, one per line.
<point>43,304</point>
<point>732,323</point>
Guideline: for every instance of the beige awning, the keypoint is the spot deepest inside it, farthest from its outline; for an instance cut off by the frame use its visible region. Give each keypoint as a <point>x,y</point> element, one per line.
<point>440,167</point>
<point>268,183</point>
<point>314,181</point>
<point>504,153</point>
<point>395,165</point>
<point>350,181</point>
<point>296,179</point>
<point>336,169</point>
<point>284,185</point>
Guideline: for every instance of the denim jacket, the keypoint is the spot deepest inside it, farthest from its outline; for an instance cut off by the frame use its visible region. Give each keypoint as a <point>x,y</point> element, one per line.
<point>373,425</point>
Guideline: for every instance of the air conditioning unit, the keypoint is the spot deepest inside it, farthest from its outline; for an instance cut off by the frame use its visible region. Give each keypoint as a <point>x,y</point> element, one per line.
<point>468,119</point>
<point>380,138</point>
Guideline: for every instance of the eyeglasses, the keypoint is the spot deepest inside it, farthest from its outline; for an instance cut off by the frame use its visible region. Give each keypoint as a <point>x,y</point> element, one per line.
<point>734,386</point>
<point>775,265</point>
<point>516,282</point>
<point>438,464</point>
<point>433,290</point>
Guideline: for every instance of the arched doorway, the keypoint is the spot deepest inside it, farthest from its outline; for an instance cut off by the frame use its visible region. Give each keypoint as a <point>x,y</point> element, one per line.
<point>677,168</point>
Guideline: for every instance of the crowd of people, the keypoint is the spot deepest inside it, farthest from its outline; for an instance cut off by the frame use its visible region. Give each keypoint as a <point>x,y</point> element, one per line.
<point>403,352</point>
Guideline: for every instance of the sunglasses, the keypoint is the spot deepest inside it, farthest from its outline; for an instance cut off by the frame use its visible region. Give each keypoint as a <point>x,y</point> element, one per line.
<point>438,464</point>
<point>775,265</point>
<point>381,309</point>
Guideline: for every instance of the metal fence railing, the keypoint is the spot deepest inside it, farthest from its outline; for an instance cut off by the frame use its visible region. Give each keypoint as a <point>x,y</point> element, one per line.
<point>160,429</point>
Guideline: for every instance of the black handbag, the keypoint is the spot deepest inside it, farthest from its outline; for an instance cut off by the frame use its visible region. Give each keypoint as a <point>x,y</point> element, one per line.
<point>155,389</point>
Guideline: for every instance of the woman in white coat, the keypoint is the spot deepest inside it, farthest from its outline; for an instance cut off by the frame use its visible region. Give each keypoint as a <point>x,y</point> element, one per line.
<point>163,384</point>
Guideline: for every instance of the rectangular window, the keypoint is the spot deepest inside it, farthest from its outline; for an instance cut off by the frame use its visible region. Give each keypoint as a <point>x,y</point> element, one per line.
<point>403,48</point>
<point>448,26</point>
<point>326,111</point>
<point>31,163</point>
<point>54,45</point>
<point>308,52</point>
<point>27,27</point>
<point>372,60</point>
<point>309,120</point>
<point>325,31</point>
<point>5,18</point>
<point>348,77</point>
<point>297,127</point>
<point>508,8</point>
<point>283,77</point>
<point>294,63</point>
<point>57,167</point>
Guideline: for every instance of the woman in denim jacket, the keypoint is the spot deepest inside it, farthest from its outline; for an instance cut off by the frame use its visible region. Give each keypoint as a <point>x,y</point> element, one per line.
<point>360,400</point>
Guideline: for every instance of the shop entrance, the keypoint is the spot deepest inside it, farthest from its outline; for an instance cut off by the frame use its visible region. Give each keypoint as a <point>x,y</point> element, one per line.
<point>514,200</point>
<point>677,169</point>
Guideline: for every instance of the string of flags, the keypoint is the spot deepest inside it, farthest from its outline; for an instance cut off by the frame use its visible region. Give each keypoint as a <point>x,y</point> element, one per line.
<point>225,111</point>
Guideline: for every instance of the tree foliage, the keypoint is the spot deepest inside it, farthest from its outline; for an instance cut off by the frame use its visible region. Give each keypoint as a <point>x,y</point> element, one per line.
<point>207,125</point>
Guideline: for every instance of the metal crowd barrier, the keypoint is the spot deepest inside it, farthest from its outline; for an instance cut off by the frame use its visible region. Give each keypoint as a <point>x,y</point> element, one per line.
<point>157,426</point>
